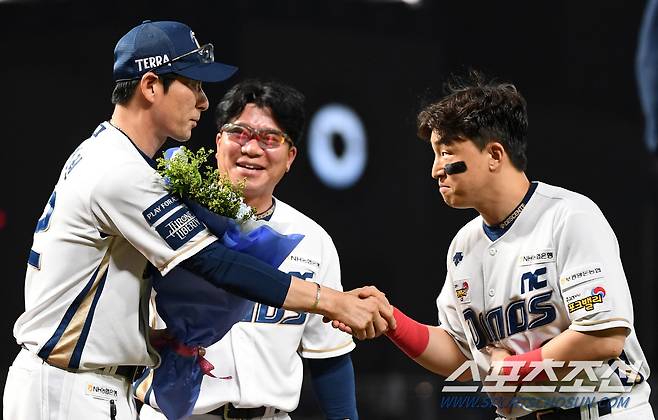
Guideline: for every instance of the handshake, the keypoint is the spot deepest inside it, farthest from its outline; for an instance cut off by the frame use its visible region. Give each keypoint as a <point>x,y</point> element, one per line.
<point>364,312</point>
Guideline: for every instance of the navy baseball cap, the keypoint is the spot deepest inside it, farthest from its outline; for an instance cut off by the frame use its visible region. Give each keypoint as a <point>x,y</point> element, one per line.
<point>166,47</point>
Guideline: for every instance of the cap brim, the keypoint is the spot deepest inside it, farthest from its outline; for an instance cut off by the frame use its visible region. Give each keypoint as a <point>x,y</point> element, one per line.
<point>209,72</point>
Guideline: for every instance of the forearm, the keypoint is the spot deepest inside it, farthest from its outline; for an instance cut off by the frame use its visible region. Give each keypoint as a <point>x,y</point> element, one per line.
<point>595,345</point>
<point>241,274</point>
<point>442,355</point>
<point>569,346</point>
<point>431,347</point>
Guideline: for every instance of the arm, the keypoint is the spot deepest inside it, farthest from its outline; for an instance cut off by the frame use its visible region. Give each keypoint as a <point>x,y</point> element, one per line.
<point>333,381</point>
<point>251,278</point>
<point>568,346</point>
<point>431,347</point>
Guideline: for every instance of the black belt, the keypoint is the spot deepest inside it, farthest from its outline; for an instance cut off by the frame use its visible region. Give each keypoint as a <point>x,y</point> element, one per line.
<point>229,411</point>
<point>569,414</point>
<point>130,372</point>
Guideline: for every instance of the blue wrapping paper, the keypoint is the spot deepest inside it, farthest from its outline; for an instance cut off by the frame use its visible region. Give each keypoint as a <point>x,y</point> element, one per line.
<point>200,314</point>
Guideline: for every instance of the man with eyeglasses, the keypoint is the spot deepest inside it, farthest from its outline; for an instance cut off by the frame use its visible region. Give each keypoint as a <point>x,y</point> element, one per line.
<point>84,332</point>
<point>258,364</point>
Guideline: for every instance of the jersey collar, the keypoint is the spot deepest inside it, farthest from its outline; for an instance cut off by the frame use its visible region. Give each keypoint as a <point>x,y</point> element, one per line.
<point>496,231</point>
<point>148,160</point>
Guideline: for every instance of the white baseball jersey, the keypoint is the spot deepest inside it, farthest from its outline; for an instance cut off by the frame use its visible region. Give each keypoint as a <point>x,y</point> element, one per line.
<point>258,362</point>
<point>554,265</point>
<point>86,303</point>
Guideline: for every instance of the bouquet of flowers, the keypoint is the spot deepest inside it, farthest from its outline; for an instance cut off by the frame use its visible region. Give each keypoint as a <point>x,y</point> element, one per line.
<point>197,313</point>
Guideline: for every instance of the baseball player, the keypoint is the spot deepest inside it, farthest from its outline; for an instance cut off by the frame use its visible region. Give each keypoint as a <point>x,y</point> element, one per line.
<point>536,277</point>
<point>258,369</point>
<point>83,334</point>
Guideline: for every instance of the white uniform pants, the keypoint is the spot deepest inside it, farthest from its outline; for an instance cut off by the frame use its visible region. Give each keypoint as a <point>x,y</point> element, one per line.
<point>149,413</point>
<point>37,391</point>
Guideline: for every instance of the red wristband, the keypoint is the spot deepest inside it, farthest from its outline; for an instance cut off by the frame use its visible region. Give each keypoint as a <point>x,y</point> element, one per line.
<point>410,336</point>
<point>531,356</point>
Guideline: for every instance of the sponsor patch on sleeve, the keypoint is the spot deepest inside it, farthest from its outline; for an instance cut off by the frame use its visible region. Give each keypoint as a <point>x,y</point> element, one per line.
<point>581,275</point>
<point>541,256</point>
<point>587,300</point>
<point>160,208</point>
<point>179,228</point>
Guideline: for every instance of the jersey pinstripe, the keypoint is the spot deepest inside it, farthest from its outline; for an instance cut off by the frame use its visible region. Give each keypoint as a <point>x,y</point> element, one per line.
<point>86,303</point>
<point>556,267</point>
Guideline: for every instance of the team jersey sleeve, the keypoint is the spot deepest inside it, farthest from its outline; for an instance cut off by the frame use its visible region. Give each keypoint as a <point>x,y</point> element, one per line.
<point>131,201</point>
<point>449,318</point>
<point>591,277</point>
<point>320,340</point>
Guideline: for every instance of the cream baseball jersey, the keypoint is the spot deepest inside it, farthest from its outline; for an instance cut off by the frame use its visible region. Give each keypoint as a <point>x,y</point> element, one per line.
<point>86,302</point>
<point>552,265</point>
<point>258,362</point>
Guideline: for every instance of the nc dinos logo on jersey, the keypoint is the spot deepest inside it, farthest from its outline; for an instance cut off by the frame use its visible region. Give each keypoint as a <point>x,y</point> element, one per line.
<point>588,302</point>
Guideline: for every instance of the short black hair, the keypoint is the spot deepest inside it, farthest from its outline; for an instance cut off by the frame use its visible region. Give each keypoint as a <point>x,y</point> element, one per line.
<point>125,89</point>
<point>285,102</point>
<point>480,110</point>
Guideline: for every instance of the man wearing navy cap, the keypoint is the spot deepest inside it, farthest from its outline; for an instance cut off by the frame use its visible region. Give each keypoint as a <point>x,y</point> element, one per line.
<point>84,332</point>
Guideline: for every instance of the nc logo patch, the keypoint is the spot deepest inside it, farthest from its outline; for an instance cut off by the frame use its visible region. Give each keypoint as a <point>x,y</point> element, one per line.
<point>457,258</point>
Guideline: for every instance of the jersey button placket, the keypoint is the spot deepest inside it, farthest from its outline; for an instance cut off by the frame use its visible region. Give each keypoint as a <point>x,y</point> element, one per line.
<point>492,291</point>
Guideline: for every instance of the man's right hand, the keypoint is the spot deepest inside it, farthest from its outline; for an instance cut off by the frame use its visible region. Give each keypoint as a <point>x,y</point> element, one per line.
<point>369,306</point>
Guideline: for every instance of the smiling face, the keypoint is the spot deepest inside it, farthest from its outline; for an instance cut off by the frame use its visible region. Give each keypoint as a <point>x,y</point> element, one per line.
<point>262,168</point>
<point>466,189</point>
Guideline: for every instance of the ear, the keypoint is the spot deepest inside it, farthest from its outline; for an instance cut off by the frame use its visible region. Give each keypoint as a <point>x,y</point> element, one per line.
<point>292,153</point>
<point>148,85</point>
<point>496,154</point>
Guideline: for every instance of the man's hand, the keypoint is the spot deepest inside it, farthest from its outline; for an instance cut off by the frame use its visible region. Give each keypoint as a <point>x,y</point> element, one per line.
<point>373,312</point>
<point>498,354</point>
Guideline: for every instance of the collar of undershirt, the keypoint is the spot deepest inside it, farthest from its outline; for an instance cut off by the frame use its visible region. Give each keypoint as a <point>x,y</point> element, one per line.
<point>496,231</point>
<point>148,160</point>
<point>267,214</point>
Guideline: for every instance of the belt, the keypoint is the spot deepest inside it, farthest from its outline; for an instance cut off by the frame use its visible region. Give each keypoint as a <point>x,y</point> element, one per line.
<point>129,372</point>
<point>602,406</point>
<point>229,411</point>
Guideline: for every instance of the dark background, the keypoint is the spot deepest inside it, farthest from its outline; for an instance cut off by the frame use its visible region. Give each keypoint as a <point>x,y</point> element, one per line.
<point>573,61</point>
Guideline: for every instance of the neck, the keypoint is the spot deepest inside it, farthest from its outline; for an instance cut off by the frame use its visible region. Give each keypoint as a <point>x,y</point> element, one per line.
<point>502,198</point>
<point>261,203</point>
<point>137,124</point>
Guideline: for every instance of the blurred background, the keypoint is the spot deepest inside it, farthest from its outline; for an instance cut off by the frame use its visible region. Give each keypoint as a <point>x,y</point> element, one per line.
<point>366,68</point>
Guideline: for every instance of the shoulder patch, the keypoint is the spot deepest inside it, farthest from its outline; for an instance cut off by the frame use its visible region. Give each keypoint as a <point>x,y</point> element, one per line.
<point>160,208</point>
<point>462,290</point>
<point>587,300</point>
<point>179,228</point>
<point>581,275</point>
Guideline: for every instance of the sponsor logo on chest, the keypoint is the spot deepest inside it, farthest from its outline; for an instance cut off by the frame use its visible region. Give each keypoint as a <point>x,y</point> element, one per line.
<point>102,392</point>
<point>539,257</point>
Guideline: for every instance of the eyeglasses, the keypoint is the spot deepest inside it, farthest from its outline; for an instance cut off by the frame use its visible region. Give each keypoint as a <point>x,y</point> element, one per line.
<point>267,138</point>
<point>207,53</point>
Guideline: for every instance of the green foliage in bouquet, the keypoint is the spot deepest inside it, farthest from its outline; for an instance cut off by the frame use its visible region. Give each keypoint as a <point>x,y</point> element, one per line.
<point>211,189</point>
